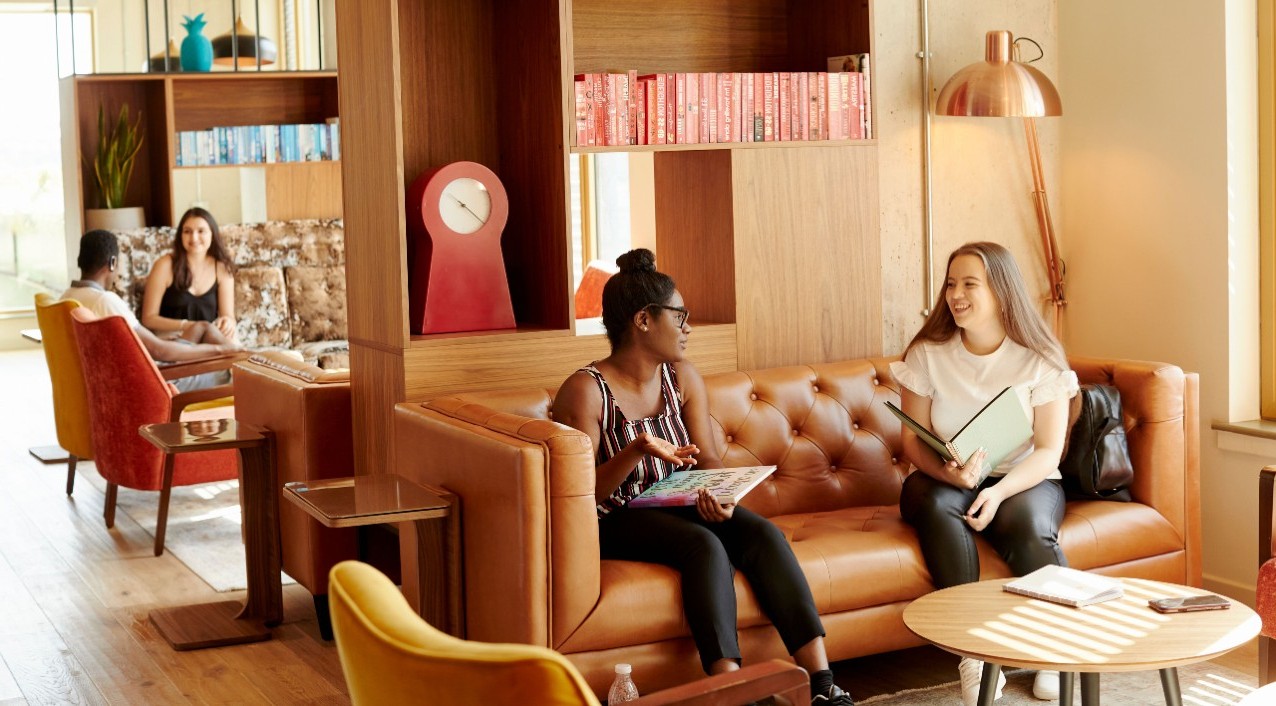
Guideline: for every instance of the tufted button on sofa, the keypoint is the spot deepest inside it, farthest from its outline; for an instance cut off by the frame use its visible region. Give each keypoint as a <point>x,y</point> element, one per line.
<point>290,283</point>
<point>532,567</point>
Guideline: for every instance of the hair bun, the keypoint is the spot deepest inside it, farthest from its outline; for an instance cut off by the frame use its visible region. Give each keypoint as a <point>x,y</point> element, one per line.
<point>637,260</point>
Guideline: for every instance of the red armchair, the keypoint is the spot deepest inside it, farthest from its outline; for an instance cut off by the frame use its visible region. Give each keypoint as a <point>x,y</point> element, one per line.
<point>1265,591</point>
<point>126,390</point>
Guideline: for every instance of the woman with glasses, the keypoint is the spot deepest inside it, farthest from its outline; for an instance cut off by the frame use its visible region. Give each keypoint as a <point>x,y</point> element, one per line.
<point>645,410</point>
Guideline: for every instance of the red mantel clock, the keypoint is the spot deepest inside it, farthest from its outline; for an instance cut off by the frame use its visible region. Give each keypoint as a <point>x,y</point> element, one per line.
<point>456,276</point>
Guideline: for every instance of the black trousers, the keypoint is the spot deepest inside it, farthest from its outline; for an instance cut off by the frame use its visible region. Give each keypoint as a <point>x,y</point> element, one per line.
<point>706,554</point>
<point>1025,530</point>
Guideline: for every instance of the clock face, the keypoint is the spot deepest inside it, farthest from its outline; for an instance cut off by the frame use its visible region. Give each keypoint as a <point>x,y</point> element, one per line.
<point>465,205</point>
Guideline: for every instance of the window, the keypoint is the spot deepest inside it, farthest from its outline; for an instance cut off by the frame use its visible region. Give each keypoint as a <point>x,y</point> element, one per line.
<point>32,227</point>
<point>1267,201</point>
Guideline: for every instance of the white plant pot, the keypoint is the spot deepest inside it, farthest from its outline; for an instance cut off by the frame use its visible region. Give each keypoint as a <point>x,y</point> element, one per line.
<point>126,218</point>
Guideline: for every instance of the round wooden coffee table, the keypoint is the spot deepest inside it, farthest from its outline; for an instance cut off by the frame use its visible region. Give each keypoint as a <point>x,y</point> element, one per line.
<point>981,621</point>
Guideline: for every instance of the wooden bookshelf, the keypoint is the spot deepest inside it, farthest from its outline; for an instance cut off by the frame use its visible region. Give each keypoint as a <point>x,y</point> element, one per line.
<point>178,102</point>
<point>774,245</point>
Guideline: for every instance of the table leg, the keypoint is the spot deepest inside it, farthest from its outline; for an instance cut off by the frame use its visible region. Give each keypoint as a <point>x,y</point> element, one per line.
<point>988,684</point>
<point>439,589</point>
<point>1170,685</point>
<point>1066,682</point>
<point>1089,689</point>
<point>259,485</point>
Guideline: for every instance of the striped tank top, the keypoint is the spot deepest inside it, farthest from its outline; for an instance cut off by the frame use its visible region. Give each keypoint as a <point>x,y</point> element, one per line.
<point>618,432</point>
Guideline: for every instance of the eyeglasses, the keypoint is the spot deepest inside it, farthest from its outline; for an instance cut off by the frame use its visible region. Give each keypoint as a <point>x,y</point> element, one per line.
<point>682,311</point>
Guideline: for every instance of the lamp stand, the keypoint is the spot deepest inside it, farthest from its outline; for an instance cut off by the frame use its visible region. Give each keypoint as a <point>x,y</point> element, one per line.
<point>1049,247</point>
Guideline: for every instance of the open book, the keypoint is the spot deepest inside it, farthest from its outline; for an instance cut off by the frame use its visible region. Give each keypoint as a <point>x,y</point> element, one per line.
<point>1059,584</point>
<point>728,485</point>
<point>999,428</point>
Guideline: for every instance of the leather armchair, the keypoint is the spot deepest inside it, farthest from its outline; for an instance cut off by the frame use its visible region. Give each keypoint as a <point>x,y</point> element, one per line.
<point>391,656</point>
<point>530,533</point>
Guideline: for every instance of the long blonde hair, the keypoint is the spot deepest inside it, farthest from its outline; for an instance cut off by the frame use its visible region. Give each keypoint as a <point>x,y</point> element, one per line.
<point>1022,321</point>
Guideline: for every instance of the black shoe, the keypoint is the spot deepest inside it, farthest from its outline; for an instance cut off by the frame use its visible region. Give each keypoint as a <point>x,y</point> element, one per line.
<point>834,697</point>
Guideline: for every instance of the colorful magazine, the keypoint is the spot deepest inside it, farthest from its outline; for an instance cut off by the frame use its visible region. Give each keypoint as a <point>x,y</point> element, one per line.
<point>680,488</point>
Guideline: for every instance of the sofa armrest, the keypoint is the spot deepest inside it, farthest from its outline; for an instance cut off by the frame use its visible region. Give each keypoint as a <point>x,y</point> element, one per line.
<point>529,529</point>
<point>1161,406</point>
<point>1266,486</point>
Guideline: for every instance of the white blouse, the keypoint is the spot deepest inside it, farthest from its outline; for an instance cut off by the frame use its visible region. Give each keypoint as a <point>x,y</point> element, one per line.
<point>959,384</point>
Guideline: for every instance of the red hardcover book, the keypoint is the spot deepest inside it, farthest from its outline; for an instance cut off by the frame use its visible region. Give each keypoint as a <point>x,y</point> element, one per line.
<point>804,106</point>
<point>671,109</point>
<point>845,79</point>
<point>624,126</point>
<point>640,112</point>
<point>726,113</point>
<point>693,108</point>
<point>681,127</point>
<point>584,111</point>
<point>822,102</point>
<point>656,108</point>
<point>855,93</point>
<point>708,108</point>
<point>631,80</point>
<point>612,123</point>
<point>768,107</point>
<point>759,108</point>
<point>834,104</point>
<point>600,108</point>
<point>795,105</point>
<point>786,116</point>
<point>744,122</point>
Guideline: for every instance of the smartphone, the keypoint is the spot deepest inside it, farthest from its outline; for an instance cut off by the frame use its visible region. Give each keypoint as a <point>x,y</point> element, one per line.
<point>1185,604</point>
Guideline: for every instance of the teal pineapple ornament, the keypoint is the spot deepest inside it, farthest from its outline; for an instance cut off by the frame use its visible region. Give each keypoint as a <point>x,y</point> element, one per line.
<point>197,50</point>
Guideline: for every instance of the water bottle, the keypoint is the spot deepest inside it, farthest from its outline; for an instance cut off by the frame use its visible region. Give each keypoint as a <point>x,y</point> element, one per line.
<point>623,688</point>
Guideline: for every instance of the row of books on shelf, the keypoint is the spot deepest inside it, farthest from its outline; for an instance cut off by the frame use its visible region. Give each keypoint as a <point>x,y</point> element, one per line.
<point>259,144</point>
<point>619,109</point>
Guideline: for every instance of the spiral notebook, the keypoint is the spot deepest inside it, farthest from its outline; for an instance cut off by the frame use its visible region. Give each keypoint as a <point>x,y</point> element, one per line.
<point>1000,427</point>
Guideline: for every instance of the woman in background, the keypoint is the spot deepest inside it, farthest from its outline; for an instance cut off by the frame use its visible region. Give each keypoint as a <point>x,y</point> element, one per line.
<point>646,412</point>
<point>982,336</point>
<point>195,283</point>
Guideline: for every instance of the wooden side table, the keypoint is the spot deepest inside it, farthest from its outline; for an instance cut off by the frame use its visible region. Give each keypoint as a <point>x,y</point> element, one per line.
<point>227,622</point>
<point>388,498</point>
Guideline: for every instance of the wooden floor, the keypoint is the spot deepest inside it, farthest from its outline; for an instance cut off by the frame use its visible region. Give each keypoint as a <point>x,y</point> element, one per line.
<point>74,599</point>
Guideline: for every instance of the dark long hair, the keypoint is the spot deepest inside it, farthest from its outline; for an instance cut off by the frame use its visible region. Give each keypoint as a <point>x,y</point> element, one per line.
<point>216,248</point>
<point>637,286</point>
<point>1022,321</point>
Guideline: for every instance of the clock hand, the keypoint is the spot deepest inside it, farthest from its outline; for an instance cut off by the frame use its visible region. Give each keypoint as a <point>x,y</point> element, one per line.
<point>467,209</point>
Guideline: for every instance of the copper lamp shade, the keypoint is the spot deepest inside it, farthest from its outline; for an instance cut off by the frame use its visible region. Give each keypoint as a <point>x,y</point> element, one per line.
<point>250,45</point>
<point>999,86</point>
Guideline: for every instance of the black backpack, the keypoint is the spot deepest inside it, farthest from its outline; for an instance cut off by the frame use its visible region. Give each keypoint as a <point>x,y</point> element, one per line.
<point>1096,464</point>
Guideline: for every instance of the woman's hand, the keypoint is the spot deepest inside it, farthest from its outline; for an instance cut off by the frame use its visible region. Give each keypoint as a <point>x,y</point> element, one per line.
<point>984,508</point>
<point>967,475</point>
<point>711,510</point>
<point>652,445</point>
<point>226,325</point>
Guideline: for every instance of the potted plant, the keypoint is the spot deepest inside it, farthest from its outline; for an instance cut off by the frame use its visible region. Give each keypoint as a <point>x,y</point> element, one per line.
<point>117,149</point>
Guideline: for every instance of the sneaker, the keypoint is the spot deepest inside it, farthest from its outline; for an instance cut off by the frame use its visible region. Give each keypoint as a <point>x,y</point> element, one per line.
<point>834,697</point>
<point>1045,685</point>
<point>971,671</point>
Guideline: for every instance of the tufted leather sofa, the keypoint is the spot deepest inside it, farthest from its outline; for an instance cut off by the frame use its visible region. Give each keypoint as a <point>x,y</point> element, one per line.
<point>290,283</point>
<point>532,568</point>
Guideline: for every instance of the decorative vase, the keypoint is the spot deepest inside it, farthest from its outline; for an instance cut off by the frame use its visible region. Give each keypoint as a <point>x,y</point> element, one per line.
<point>197,50</point>
<point>126,218</point>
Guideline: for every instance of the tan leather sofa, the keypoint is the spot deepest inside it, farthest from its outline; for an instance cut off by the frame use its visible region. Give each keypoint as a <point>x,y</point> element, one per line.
<point>532,569</point>
<point>308,409</point>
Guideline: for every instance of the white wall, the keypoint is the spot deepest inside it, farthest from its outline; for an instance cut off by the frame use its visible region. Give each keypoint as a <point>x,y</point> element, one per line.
<point>982,186</point>
<point>1159,211</point>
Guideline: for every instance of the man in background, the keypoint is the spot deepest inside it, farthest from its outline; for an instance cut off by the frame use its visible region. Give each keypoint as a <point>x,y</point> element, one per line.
<point>99,253</point>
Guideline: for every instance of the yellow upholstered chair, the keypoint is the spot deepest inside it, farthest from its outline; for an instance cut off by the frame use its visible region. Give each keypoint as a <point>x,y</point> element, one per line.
<point>391,656</point>
<point>70,404</point>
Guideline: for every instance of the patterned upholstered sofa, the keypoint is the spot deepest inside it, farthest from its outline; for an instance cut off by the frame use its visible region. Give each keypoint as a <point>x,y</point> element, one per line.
<point>290,283</point>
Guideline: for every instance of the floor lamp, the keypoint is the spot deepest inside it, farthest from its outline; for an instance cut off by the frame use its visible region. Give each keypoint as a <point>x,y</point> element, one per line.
<point>1001,87</point>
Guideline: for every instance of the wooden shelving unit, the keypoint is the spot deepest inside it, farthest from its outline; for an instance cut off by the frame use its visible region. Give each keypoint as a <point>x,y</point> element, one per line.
<point>774,246</point>
<point>177,102</point>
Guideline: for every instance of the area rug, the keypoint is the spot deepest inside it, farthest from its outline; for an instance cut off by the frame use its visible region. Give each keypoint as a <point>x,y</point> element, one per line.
<point>203,527</point>
<point>1201,684</point>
